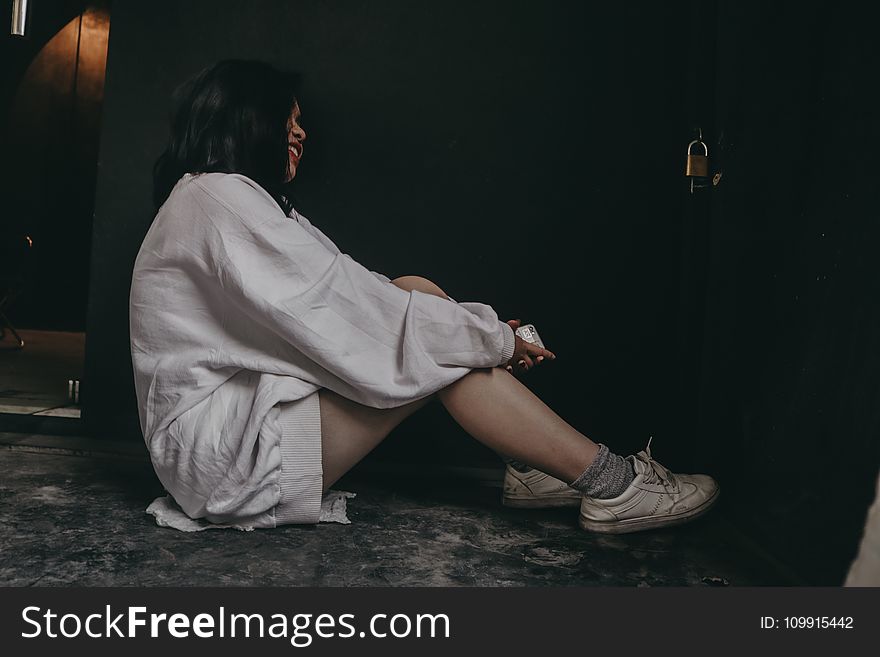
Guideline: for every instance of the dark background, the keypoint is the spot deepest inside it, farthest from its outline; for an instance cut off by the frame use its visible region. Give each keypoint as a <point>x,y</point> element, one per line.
<point>531,156</point>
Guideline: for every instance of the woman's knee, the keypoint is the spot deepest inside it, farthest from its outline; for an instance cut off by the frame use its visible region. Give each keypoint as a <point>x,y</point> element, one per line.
<point>419,283</point>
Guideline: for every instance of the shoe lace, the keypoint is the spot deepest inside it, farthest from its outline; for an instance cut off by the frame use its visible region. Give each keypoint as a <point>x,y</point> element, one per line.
<point>658,474</point>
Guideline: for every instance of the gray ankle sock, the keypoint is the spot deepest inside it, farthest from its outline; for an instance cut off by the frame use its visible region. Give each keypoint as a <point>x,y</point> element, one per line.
<point>606,477</point>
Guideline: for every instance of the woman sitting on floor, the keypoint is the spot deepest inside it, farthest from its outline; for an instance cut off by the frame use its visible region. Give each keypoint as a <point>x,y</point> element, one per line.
<point>268,363</point>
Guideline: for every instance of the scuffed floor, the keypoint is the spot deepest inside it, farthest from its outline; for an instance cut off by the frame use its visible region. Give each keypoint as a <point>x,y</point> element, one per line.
<point>80,521</point>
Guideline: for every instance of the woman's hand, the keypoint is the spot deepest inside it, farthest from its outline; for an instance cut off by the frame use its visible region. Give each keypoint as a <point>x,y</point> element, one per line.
<point>525,354</point>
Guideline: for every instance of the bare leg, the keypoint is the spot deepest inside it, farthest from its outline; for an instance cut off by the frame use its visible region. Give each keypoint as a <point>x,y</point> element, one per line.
<point>503,414</point>
<point>499,411</point>
<point>489,403</point>
<point>349,430</point>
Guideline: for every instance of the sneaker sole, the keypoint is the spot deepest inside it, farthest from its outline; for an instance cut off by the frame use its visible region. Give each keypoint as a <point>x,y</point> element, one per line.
<point>548,502</point>
<point>643,524</point>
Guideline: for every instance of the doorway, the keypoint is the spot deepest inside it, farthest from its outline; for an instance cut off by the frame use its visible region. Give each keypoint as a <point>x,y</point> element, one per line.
<point>52,90</point>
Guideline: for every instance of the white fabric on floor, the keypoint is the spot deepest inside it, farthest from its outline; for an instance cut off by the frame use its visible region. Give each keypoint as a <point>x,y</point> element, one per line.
<point>168,513</point>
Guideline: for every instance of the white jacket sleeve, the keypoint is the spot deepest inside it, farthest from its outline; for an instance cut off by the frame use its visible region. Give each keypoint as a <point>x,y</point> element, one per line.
<point>375,343</point>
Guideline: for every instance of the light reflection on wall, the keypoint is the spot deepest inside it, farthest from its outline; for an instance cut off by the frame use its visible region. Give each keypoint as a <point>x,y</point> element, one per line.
<point>67,74</point>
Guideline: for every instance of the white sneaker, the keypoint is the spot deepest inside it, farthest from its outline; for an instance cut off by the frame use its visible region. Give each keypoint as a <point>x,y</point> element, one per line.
<point>655,498</point>
<point>534,489</point>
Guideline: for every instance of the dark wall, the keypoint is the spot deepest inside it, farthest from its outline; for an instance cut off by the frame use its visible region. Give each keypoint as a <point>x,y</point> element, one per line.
<point>526,155</point>
<point>791,370</point>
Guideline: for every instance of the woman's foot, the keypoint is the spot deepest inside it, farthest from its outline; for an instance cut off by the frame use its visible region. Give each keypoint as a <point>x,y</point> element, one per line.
<point>655,498</point>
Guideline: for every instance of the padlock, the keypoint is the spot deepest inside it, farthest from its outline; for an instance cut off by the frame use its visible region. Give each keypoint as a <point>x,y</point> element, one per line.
<point>697,165</point>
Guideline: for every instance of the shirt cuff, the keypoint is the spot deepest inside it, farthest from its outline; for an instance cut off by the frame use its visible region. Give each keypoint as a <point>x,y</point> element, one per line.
<point>509,343</point>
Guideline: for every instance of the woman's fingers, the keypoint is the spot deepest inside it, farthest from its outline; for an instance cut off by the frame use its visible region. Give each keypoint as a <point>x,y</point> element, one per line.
<point>540,353</point>
<point>533,355</point>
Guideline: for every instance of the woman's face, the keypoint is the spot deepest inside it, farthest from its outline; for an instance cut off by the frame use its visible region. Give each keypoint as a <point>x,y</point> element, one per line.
<point>295,137</point>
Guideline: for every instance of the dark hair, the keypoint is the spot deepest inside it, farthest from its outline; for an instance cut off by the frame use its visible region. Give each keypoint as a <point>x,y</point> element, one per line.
<point>230,118</point>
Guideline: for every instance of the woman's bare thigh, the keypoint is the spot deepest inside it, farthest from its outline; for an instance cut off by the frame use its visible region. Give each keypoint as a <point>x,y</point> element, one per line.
<point>349,430</point>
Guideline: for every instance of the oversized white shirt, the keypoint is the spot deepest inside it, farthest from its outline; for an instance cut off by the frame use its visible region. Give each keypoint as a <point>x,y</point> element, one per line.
<point>235,307</point>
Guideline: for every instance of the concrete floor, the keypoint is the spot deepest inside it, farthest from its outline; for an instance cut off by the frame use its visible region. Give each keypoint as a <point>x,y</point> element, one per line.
<point>79,521</point>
